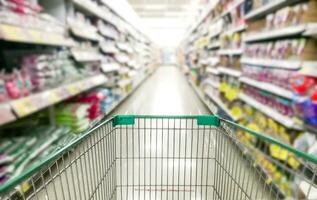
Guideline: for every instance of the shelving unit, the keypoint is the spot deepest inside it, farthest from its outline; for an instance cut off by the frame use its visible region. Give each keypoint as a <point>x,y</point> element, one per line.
<point>248,47</point>
<point>230,52</point>
<point>85,34</point>
<point>268,87</point>
<point>269,8</point>
<point>228,71</point>
<point>28,105</point>
<point>286,121</point>
<point>299,30</point>
<point>222,106</point>
<point>13,33</point>
<point>211,107</point>
<point>291,64</point>
<point>85,56</point>
<point>76,62</point>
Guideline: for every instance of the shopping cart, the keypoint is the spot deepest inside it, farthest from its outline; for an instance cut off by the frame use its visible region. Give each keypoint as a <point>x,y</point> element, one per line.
<point>169,157</point>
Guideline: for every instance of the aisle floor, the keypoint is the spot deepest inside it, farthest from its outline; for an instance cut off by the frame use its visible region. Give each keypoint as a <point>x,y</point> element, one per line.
<point>166,92</point>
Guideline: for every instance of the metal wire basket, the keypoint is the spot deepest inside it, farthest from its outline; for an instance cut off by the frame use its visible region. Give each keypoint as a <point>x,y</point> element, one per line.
<point>169,157</point>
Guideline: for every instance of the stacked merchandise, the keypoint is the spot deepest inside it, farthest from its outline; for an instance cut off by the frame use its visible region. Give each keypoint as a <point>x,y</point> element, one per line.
<point>31,25</point>
<point>258,68</point>
<point>79,112</point>
<point>56,79</point>
<point>21,150</point>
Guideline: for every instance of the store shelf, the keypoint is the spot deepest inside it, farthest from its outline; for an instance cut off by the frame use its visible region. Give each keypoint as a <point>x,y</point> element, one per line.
<point>212,70</point>
<point>268,87</point>
<point>108,49</point>
<point>118,102</point>
<point>284,120</point>
<point>203,61</point>
<point>125,47</point>
<point>215,33</point>
<point>285,64</point>
<point>215,45</point>
<point>84,33</point>
<point>268,8</point>
<point>213,61</point>
<point>209,7</point>
<point>309,68</point>
<point>124,82</point>
<point>121,58</point>
<point>18,34</point>
<point>232,7</point>
<point>278,33</point>
<point>211,83</point>
<point>230,52</point>
<point>31,104</point>
<point>110,67</point>
<point>228,71</point>
<point>236,29</point>
<point>90,8</point>
<point>85,56</point>
<point>108,34</point>
<point>212,108</point>
<point>221,105</point>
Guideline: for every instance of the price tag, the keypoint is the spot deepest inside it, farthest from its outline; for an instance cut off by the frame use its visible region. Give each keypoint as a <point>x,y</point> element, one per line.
<point>83,85</point>
<point>89,83</point>
<point>37,36</point>
<point>73,89</point>
<point>40,100</point>
<point>55,38</point>
<point>23,107</point>
<point>12,33</point>
<point>6,114</point>
<point>95,80</point>
<point>54,97</point>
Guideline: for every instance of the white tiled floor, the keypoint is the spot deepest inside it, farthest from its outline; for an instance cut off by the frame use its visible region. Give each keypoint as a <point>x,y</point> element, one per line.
<point>166,92</point>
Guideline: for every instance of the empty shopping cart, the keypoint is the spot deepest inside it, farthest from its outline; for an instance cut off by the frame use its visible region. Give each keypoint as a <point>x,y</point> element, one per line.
<point>169,157</point>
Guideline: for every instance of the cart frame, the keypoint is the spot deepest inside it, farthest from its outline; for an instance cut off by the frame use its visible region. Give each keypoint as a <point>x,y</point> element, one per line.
<point>228,170</point>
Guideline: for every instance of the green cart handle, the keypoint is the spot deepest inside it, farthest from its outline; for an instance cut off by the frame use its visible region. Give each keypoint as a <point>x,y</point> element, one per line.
<point>213,120</point>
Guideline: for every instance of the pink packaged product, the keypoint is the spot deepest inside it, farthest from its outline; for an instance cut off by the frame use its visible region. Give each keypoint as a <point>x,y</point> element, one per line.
<point>44,70</point>
<point>23,7</point>
<point>281,105</point>
<point>278,77</point>
<point>94,99</point>
<point>15,85</point>
<point>282,49</point>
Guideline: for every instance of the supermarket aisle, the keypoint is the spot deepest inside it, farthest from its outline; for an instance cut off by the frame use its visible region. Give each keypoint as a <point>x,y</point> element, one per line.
<point>166,158</point>
<point>166,92</point>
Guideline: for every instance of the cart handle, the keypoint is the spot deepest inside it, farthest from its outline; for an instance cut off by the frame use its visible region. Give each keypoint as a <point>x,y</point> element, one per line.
<point>214,120</point>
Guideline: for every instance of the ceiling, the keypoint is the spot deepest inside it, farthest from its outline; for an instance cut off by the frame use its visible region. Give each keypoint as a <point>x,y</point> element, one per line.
<point>166,20</point>
<point>161,8</point>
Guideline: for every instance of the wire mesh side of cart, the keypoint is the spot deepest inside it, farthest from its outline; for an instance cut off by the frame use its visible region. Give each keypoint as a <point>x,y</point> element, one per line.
<point>165,158</point>
<point>159,157</point>
<point>184,158</point>
<point>85,169</point>
<point>283,172</point>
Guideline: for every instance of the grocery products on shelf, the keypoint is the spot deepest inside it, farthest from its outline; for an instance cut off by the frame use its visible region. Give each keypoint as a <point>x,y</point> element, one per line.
<point>30,145</point>
<point>62,70</point>
<point>257,68</point>
<point>23,22</point>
